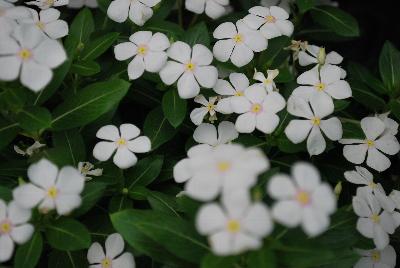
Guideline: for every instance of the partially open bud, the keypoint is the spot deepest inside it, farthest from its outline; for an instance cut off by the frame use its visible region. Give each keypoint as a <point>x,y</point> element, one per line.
<point>338,189</point>
<point>321,56</point>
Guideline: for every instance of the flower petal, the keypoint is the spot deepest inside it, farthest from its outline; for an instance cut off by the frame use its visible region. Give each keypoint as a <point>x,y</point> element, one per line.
<point>207,76</point>
<point>66,203</point>
<point>187,86</point>
<point>201,55</point>
<point>223,49</point>
<point>109,132</point>
<point>126,260</point>
<point>332,128</point>
<point>298,130</point>
<point>210,219</point>
<point>43,173</point>
<point>377,160</point>
<point>6,248</point>
<point>70,181</point>
<point>28,195</point>
<point>22,233</point>
<point>306,176</point>
<point>388,144</point>
<point>95,253</point>
<point>136,68</point>
<point>17,214</point>
<point>35,76</point>
<point>180,52</point>
<point>355,153</point>
<point>315,143</point>
<point>287,212</point>
<point>225,30</point>
<point>125,51</point>
<point>241,55</point>
<point>171,72</point>
<point>114,245</point>
<point>141,144</point>
<point>129,131</point>
<point>124,158</point>
<point>118,10</point>
<point>155,61</point>
<point>267,122</point>
<point>226,132</point>
<point>206,133</point>
<point>104,150</point>
<point>246,123</point>
<point>314,222</point>
<point>372,127</point>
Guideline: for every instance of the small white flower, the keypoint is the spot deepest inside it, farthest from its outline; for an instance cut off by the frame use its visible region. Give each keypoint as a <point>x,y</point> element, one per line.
<point>376,143</point>
<point>148,51</point>
<point>125,141</point>
<point>374,222</point>
<point>113,256</point>
<point>272,22</point>
<point>285,4</point>
<point>395,196</point>
<point>376,258</point>
<point>236,226</point>
<point>51,188</point>
<point>48,22</point>
<point>209,171</point>
<point>30,150</point>
<point>30,55</point>
<point>86,169</point>
<point>82,3</point>
<point>298,130</point>
<point>213,8</point>
<point>209,107</point>
<point>267,82</point>
<point>391,126</point>
<point>190,67</point>
<point>296,47</point>
<point>9,14</point>
<point>326,82</point>
<point>258,110</point>
<point>13,228</point>
<point>139,11</point>
<point>207,133</point>
<point>237,43</point>
<point>238,83</point>
<point>303,200</point>
<point>361,176</point>
<point>45,4</point>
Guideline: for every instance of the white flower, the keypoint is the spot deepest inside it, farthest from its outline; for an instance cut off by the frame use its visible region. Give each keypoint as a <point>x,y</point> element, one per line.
<point>45,4</point>
<point>315,122</point>
<point>148,51</point>
<point>385,258</point>
<point>272,22</point>
<point>326,82</point>
<point>303,200</point>
<point>209,171</point>
<point>213,8</point>
<point>374,222</point>
<point>209,107</point>
<point>391,126</point>
<point>113,257</point>
<point>258,110</point>
<point>139,11</point>
<point>238,83</point>
<point>190,67</point>
<point>267,82</point>
<point>207,133</point>
<point>13,228</point>
<point>51,188</point>
<point>30,150</point>
<point>86,169</point>
<point>395,196</point>
<point>9,14</point>
<point>237,43</point>
<point>32,53</point>
<point>361,176</point>
<point>296,47</point>
<point>285,4</point>
<point>375,144</point>
<point>236,226</point>
<point>81,3</point>
<point>48,22</point>
<point>125,141</point>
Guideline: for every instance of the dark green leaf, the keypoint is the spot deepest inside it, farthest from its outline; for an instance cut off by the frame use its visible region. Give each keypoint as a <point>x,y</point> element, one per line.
<point>98,46</point>
<point>73,143</point>
<point>305,5</point>
<point>389,67</point>
<point>13,98</point>
<point>34,118</point>
<point>270,58</point>
<point>212,261</point>
<point>63,259</point>
<point>174,107</point>
<point>28,255</point>
<point>360,73</point>
<point>5,193</point>
<point>262,258</point>
<point>145,172</point>
<point>172,30</point>
<point>119,202</point>
<point>91,194</point>
<point>197,34</point>
<point>8,131</point>
<point>395,108</point>
<point>85,68</point>
<point>366,97</point>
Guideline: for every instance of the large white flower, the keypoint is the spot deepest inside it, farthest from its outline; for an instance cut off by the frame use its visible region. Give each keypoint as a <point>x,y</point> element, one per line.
<point>236,226</point>
<point>267,82</point>
<point>13,228</point>
<point>30,55</point>
<point>48,22</point>
<point>190,67</point>
<point>45,4</point>
<point>258,110</point>
<point>209,107</point>
<point>315,122</point>
<point>113,256</point>
<point>237,43</point>
<point>148,51</point>
<point>376,143</point>
<point>125,141</point>
<point>238,82</point>
<point>207,133</point>
<point>285,4</point>
<point>374,222</point>
<point>376,258</point>
<point>81,3</point>
<point>303,200</point>
<point>9,14</point>
<point>51,188</point>
<point>272,22</point>
<point>139,11</point>
<point>209,171</point>
<point>361,176</point>
<point>213,8</point>
<point>326,82</point>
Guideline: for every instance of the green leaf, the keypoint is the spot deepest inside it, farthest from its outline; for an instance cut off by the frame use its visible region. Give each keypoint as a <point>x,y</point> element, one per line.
<point>85,68</point>
<point>145,172</point>
<point>8,131</point>
<point>89,104</point>
<point>13,98</point>
<point>73,144</point>
<point>34,118</point>
<point>197,34</point>
<point>364,95</point>
<point>28,255</point>
<point>395,108</point>
<point>360,73</point>
<point>212,261</point>
<point>270,58</point>
<point>174,107</point>
<point>90,196</point>
<point>5,193</point>
<point>336,20</point>
<point>118,203</point>
<point>262,258</point>
<point>305,5</point>
<point>157,128</point>
<point>172,30</point>
<point>389,67</point>
<point>98,46</point>
<point>68,234</point>
<point>63,259</point>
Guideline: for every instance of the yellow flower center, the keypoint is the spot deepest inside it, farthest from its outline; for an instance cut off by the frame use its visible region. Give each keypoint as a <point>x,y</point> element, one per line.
<point>50,2</point>
<point>239,93</point>
<point>238,38</point>
<point>142,50</point>
<point>121,142</point>
<point>320,86</point>
<point>303,198</point>
<point>5,227</point>
<point>316,121</point>
<point>190,66</point>
<point>375,218</point>
<point>210,107</point>
<point>52,192</point>
<point>25,54</point>
<point>270,19</point>
<point>106,263</point>
<point>267,81</point>
<point>375,256</point>
<point>233,226</point>
<point>372,185</point>
<point>223,166</point>
<point>256,108</point>
<point>40,25</point>
<point>370,143</point>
